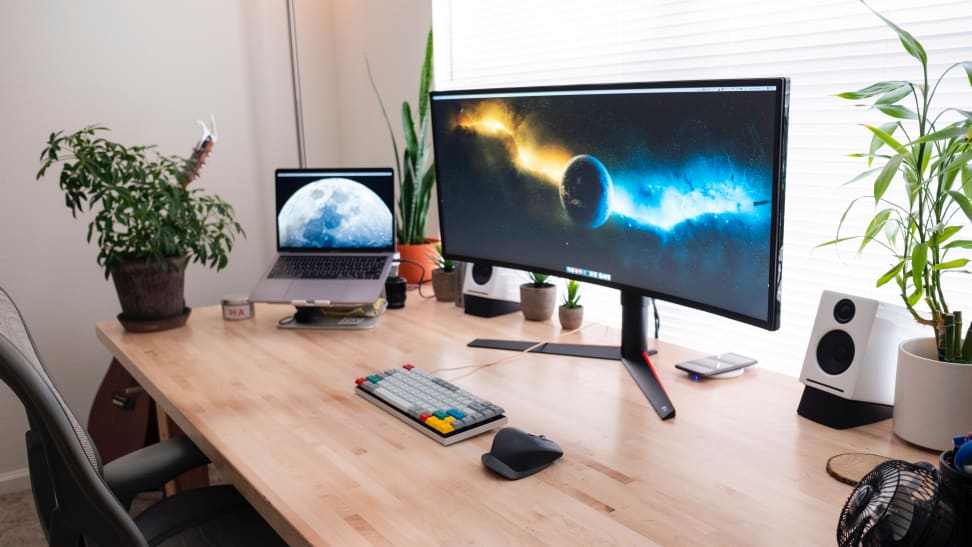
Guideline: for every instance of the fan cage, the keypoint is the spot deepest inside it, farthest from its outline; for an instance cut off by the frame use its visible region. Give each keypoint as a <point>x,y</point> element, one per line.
<point>896,503</point>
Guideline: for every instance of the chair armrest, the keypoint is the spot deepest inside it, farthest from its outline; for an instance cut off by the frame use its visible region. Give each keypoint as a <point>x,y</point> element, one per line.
<point>151,467</point>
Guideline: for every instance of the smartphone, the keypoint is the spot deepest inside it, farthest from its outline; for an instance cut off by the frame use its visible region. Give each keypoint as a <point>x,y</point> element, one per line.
<point>715,364</point>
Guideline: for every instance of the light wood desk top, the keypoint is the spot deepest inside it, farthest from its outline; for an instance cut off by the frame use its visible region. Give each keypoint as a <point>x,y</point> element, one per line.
<point>276,412</point>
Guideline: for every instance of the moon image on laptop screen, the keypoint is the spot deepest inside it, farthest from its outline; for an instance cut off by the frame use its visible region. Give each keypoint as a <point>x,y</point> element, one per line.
<point>335,213</point>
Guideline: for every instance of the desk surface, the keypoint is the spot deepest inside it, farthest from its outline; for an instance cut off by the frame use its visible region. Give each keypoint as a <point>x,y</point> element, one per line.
<point>276,412</point>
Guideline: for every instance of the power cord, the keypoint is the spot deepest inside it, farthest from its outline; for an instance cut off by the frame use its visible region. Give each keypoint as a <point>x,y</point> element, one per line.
<point>654,311</point>
<point>422,281</point>
<point>479,366</point>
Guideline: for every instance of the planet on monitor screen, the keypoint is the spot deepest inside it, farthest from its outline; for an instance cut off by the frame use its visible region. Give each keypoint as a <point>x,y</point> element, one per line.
<point>586,191</point>
<point>335,212</point>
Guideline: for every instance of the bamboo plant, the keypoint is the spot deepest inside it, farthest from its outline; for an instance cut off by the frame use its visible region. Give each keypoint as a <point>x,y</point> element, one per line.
<point>415,169</point>
<point>924,153</point>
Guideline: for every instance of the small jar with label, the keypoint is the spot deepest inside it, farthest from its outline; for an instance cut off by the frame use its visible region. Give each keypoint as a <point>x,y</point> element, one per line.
<point>237,307</point>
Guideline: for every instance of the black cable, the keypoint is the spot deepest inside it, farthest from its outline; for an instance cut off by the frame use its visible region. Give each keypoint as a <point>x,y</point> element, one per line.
<point>654,311</point>
<point>422,281</point>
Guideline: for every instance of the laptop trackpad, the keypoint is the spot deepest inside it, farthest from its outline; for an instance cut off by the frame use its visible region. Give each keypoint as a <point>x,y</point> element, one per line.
<point>326,290</point>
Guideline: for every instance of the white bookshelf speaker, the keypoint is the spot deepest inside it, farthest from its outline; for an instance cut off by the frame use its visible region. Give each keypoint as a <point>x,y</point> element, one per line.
<point>489,291</point>
<point>851,360</point>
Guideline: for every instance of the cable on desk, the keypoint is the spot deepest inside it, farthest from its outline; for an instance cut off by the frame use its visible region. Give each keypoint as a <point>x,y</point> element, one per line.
<point>479,366</point>
<point>418,287</point>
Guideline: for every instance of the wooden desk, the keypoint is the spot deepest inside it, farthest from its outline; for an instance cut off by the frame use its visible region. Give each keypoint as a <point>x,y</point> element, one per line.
<point>276,412</point>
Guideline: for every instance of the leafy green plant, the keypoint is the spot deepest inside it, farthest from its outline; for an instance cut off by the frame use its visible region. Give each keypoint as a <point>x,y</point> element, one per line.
<point>416,172</point>
<point>446,264</point>
<point>539,280</point>
<point>925,153</point>
<point>144,210</point>
<point>572,298</point>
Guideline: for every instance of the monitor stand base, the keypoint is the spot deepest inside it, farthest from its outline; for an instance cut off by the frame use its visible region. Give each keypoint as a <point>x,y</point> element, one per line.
<point>640,369</point>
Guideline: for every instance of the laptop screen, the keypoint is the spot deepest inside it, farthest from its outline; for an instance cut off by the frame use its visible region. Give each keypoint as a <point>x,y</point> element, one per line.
<point>335,209</point>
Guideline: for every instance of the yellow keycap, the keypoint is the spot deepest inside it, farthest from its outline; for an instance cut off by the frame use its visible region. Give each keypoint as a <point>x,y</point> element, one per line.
<point>439,425</point>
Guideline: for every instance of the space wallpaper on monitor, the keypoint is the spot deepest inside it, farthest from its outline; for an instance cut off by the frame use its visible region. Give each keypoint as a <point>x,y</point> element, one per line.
<point>669,192</point>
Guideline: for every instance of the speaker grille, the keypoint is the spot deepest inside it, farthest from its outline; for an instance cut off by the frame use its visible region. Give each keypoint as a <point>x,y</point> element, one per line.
<point>835,352</point>
<point>481,273</point>
<point>844,310</point>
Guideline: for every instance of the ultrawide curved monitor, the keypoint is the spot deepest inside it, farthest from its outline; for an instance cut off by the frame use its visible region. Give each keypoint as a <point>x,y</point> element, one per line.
<point>671,190</point>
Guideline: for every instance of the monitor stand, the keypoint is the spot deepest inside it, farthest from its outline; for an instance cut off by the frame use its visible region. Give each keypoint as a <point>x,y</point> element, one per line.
<point>633,352</point>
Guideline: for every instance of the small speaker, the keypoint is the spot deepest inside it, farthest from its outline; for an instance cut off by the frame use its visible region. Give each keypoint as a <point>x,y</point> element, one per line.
<point>490,291</point>
<point>851,360</point>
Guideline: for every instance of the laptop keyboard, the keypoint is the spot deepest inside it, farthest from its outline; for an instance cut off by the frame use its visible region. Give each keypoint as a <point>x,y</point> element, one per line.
<point>327,267</point>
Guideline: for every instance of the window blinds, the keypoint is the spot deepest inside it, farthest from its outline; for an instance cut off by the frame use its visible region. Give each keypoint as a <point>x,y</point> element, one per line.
<point>824,47</point>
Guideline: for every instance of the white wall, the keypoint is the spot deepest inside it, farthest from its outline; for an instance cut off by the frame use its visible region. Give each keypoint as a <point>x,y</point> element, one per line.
<point>148,71</point>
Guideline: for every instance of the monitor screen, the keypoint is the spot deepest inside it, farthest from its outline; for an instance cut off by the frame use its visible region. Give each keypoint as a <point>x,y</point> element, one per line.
<point>671,190</point>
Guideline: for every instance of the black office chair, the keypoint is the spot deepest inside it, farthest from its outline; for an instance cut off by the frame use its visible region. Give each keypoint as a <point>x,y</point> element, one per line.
<point>81,503</point>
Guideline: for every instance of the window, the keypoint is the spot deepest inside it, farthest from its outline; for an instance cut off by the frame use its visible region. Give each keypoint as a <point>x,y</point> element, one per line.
<point>824,47</point>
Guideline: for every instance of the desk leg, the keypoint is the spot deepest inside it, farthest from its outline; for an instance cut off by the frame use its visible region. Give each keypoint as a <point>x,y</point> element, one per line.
<point>194,478</point>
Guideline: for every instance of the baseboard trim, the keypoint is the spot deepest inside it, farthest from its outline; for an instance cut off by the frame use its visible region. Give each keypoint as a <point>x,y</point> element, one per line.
<point>14,481</point>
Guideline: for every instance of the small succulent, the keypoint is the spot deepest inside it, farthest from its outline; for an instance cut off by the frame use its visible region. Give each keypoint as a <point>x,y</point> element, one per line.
<point>572,298</point>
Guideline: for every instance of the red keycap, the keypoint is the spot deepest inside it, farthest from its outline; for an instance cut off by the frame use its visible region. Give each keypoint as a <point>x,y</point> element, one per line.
<point>408,367</point>
<point>424,416</point>
<point>360,381</point>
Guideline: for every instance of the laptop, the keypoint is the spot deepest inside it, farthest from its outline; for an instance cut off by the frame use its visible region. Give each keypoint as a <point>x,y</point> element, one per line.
<point>335,237</point>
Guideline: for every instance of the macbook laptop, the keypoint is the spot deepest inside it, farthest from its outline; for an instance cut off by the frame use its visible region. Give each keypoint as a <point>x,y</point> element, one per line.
<point>335,237</point>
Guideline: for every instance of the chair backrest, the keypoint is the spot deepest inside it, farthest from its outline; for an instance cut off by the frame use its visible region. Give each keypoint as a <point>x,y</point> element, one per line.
<point>74,503</point>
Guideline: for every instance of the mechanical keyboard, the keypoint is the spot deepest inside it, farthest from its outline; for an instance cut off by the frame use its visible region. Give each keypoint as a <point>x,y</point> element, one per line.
<point>439,409</point>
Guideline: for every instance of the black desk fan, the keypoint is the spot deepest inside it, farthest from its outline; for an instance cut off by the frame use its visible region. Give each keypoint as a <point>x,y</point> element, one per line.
<point>897,503</point>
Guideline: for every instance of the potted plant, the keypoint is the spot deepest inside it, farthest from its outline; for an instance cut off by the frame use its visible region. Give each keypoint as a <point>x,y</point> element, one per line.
<point>416,177</point>
<point>571,313</point>
<point>922,187</point>
<point>444,281</point>
<point>538,297</point>
<point>149,225</point>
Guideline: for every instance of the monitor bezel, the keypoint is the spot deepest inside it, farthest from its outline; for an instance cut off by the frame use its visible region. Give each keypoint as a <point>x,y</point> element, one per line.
<point>771,321</point>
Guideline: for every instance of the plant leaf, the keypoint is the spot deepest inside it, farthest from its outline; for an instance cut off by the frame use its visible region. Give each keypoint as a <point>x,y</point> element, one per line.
<point>897,111</point>
<point>890,274</point>
<point>950,132</point>
<point>888,139</point>
<point>426,78</point>
<point>940,237</point>
<point>951,264</point>
<point>876,141</point>
<point>911,45</point>
<point>873,90</point>
<point>875,227</point>
<point>960,244</point>
<point>919,258</point>
<point>883,180</point>
<point>894,95</point>
<point>863,175</point>
<point>963,202</point>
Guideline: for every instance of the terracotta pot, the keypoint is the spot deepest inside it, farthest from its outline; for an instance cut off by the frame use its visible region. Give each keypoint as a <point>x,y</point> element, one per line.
<point>538,303</point>
<point>931,397</point>
<point>421,253</point>
<point>444,284</point>
<point>571,318</point>
<point>151,298</point>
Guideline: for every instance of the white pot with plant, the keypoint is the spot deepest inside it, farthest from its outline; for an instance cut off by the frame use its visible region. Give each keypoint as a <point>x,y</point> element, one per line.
<point>922,191</point>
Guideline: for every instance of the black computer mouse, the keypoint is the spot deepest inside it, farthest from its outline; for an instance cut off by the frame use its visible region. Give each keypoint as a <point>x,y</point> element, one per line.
<point>516,454</point>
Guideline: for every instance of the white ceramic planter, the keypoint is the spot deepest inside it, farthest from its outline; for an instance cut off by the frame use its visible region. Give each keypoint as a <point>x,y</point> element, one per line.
<point>932,398</point>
